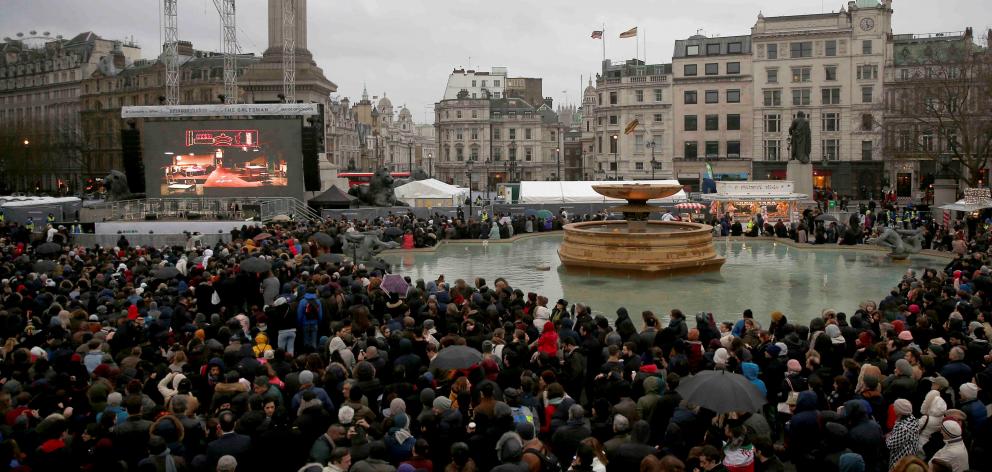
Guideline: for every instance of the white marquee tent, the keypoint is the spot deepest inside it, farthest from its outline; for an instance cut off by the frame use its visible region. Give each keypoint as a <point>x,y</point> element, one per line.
<point>430,193</point>
<point>577,191</point>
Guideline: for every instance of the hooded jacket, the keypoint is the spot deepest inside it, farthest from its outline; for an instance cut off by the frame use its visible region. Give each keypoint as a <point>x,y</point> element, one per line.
<point>803,431</point>
<point>864,434</point>
<point>301,317</point>
<point>652,394</point>
<point>933,409</point>
<point>261,345</point>
<point>750,370</point>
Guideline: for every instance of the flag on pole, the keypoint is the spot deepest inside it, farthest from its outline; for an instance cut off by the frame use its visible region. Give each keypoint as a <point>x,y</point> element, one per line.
<point>629,33</point>
<point>598,34</point>
<point>631,126</point>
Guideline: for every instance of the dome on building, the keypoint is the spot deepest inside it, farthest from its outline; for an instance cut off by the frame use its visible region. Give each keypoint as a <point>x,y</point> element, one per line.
<point>590,91</point>
<point>405,114</point>
<point>384,103</point>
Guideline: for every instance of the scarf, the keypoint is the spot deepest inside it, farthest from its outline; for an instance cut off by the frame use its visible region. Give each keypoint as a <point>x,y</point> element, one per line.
<point>170,463</point>
<point>401,435</point>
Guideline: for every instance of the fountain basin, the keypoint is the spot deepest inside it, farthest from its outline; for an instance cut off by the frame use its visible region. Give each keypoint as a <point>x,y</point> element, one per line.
<point>652,247</point>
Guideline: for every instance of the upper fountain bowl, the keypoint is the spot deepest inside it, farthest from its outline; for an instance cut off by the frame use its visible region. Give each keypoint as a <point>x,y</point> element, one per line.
<point>637,192</point>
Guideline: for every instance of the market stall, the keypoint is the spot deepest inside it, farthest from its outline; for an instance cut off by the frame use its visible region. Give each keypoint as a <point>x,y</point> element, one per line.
<point>774,199</point>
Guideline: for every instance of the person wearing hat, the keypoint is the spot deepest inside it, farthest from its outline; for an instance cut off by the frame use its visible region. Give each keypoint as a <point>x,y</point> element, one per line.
<point>932,409</point>
<point>974,408</point>
<point>904,439</point>
<point>954,453</point>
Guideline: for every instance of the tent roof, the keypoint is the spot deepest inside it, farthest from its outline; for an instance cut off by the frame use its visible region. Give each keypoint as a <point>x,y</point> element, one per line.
<point>33,201</point>
<point>578,191</point>
<point>333,195</point>
<point>427,188</point>
<point>962,205</point>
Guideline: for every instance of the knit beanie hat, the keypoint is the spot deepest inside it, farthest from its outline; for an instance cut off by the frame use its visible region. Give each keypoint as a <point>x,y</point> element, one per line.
<point>306,377</point>
<point>969,391</point>
<point>442,403</point>
<point>903,407</point>
<point>950,429</point>
<point>794,366</point>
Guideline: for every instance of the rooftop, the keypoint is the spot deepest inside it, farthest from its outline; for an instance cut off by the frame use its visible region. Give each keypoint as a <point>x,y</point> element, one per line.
<point>742,42</point>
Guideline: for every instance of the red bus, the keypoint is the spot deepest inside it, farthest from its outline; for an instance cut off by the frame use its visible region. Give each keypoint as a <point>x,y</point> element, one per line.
<point>359,178</point>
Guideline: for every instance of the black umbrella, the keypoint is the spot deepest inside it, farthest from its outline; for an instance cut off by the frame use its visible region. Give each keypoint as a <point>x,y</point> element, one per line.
<point>456,357</point>
<point>322,239</point>
<point>392,231</point>
<point>256,265</point>
<point>44,267</point>
<point>331,258</point>
<point>165,273</point>
<point>720,391</point>
<point>826,217</point>
<point>48,248</point>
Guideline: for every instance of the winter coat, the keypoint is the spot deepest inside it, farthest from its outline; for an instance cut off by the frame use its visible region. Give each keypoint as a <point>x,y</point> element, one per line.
<point>647,403</point>
<point>803,433</point>
<point>903,440</point>
<point>954,454</point>
<point>301,317</point>
<point>750,370</point>
<point>933,409</point>
<point>864,434</point>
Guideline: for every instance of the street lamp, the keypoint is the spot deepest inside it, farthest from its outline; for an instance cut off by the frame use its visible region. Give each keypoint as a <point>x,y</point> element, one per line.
<point>26,142</point>
<point>558,161</point>
<point>469,174</point>
<point>430,164</point>
<point>651,144</point>
<point>616,156</point>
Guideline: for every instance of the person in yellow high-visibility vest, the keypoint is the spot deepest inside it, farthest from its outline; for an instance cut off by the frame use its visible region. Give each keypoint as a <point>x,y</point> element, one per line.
<point>30,224</point>
<point>51,218</point>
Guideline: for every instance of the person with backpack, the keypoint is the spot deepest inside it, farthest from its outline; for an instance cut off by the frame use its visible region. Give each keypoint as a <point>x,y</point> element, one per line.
<point>309,315</point>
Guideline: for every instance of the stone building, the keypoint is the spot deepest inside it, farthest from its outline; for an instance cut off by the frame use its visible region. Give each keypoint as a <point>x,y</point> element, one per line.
<point>476,84</point>
<point>42,147</point>
<point>343,147</point>
<point>391,140</point>
<point>830,67</point>
<point>712,108</point>
<point>495,141</point>
<point>425,147</point>
<point>625,92</point>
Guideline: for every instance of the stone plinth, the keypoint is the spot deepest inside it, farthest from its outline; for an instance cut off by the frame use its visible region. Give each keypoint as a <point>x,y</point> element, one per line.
<point>661,247</point>
<point>801,176</point>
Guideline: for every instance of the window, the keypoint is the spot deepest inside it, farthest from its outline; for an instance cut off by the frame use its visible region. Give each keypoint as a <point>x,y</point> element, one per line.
<point>831,149</point>
<point>475,133</point>
<point>659,117</point>
<point>773,123</point>
<point>712,122</point>
<point>830,48</point>
<point>712,49</point>
<point>867,122</point>
<point>733,149</point>
<point>497,154</point>
<point>513,134</point>
<point>690,123</point>
<point>691,149</point>
<point>801,74</point>
<point>800,97</point>
<point>458,134</point>
<point>613,145</point>
<point>613,98</point>
<point>712,148</point>
<point>773,98</point>
<point>495,83</point>
<point>801,49</point>
<point>773,149</point>
<point>638,141</point>
<point>614,120</point>
<point>474,154</point>
<point>866,47</point>
<point>600,101</point>
<point>458,114</point>
<point>905,140</point>
<point>483,83</point>
<point>599,144</point>
<point>733,67</point>
<point>927,141</point>
<point>904,74</point>
<point>867,72</point>
<point>528,154</point>
<point>831,122</point>
<point>473,83</point>
<point>830,73</point>
<point>712,96</point>
<point>475,113</point>
<point>526,133</point>
<point>866,150</point>
<point>772,51</point>
<point>689,70</point>
<point>712,68</point>
<point>658,95</point>
<point>692,50</point>
<point>639,95</point>
<point>734,122</point>
<point>496,133</point>
<point>690,97</point>
<point>734,96</point>
<point>866,94</point>
<point>613,166</point>
<point>772,75</point>
<point>735,48</point>
<point>831,96</point>
<point>459,154</point>
<point>638,166</point>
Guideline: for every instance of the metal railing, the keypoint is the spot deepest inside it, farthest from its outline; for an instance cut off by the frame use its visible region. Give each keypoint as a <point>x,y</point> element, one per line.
<point>242,208</point>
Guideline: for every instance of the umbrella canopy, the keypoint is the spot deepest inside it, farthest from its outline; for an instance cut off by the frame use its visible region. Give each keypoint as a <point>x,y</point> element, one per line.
<point>394,283</point>
<point>256,265</point>
<point>281,219</point>
<point>456,357</point>
<point>331,258</point>
<point>392,231</point>
<point>721,391</point>
<point>826,217</point>
<point>322,239</point>
<point>44,267</point>
<point>262,236</point>
<point>690,206</point>
<point>48,248</point>
<point>543,214</point>
<point>165,273</point>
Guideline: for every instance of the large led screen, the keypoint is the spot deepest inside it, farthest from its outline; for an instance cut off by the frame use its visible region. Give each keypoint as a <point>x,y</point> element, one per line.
<point>223,158</point>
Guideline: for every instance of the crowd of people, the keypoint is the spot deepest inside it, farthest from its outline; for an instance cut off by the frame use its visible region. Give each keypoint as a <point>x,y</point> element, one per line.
<point>179,359</point>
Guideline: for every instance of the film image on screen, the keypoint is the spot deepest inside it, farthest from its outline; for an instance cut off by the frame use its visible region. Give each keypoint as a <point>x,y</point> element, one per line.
<point>223,158</point>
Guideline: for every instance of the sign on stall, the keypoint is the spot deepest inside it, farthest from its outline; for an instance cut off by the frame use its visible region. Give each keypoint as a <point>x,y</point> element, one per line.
<point>755,188</point>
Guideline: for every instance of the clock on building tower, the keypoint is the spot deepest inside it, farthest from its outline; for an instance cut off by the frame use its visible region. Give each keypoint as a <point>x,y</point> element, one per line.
<point>867,24</point>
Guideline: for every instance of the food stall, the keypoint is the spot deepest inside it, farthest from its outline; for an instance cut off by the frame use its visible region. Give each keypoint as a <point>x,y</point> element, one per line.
<point>774,199</point>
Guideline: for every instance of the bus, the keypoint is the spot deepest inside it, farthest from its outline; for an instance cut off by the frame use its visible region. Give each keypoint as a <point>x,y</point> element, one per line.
<point>359,178</point>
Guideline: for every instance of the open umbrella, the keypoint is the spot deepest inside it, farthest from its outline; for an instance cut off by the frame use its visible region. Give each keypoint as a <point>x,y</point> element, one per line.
<point>826,217</point>
<point>543,214</point>
<point>322,239</point>
<point>256,265</point>
<point>165,273</point>
<point>456,357</point>
<point>331,258</point>
<point>690,206</point>
<point>392,232</point>
<point>281,219</point>
<point>262,236</point>
<point>721,391</point>
<point>394,283</point>
<point>48,248</point>
<point>44,267</point>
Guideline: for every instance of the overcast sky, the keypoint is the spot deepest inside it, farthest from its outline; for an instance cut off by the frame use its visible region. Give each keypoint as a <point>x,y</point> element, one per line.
<point>407,48</point>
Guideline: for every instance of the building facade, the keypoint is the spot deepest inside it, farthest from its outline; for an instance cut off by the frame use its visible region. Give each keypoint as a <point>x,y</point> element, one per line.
<point>485,142</point>
<point>390,143</point>
<point>476,84</point>
<point>828,66</point>
<point>344,147</point>
<point>42,145</point>
<point>713,108</point>
<point>626,92</point>
<point>425,147</point>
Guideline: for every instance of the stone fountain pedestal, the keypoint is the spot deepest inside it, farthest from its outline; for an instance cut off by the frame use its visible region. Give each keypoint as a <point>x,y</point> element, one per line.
<point>636,244</point>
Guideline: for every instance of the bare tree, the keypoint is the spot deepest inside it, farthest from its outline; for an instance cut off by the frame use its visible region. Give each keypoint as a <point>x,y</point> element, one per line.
<point>941,106</point>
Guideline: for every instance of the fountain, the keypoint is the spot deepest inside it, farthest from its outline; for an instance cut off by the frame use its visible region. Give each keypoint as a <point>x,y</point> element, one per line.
<point>636,244</point>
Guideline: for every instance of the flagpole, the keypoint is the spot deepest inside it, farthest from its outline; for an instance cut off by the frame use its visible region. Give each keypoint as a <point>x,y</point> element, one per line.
<point>645,47</point>
<point>637,46</point>
<point>603,38</point>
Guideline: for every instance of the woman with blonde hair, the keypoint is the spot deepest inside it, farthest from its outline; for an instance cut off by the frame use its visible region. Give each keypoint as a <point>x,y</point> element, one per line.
<point>599,461</point>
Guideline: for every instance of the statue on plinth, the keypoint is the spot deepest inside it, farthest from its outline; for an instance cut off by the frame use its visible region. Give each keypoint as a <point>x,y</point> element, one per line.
<point>901,242</point>
<point>799,139</point>
<point>378,192</point>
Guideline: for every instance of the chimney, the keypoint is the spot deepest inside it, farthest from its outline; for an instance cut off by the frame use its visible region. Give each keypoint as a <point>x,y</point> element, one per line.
<point>548,101</point>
